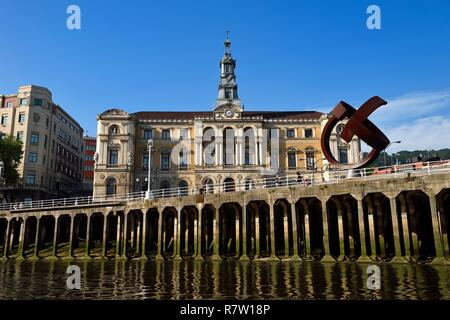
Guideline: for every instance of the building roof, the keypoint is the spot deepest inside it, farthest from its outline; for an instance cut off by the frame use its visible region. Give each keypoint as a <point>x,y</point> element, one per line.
<point>191,115</point>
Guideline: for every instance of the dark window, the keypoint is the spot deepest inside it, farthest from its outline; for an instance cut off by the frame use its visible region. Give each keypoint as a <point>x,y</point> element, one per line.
<point>292,160</point>
<point>165,158</point>
<point>165,134</point>
<point>37,102</point>
<point>22,117</point>
<point>291,133</point>
<point>145,161</point>
<point>34,138</point>
<point>4,119</point>
<point>32,157</point>
<point>113,157</point>
<point>111,186</point>
<point>148,134</point>
<point>343,155</point>
<point>308,133</point>
<point>310,161</point>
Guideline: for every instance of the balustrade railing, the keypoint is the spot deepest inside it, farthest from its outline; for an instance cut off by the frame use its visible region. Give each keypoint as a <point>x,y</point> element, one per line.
<point>300,179</point>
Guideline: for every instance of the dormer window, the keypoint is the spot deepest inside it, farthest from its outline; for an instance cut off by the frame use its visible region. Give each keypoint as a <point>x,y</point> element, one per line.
<point>227,68</point>
<point>227,94</point>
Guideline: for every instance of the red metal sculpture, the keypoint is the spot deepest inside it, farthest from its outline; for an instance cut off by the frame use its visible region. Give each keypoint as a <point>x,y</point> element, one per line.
<point>358,125</point>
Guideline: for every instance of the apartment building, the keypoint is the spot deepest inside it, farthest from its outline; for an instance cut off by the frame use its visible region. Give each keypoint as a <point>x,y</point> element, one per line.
<point>52,143</point>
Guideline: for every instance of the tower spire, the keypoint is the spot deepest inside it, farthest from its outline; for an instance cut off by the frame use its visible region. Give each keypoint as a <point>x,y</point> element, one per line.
<point>227,86</point>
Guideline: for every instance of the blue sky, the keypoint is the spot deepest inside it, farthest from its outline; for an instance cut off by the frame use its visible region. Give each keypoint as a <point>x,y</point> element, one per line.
<point>291,55</point>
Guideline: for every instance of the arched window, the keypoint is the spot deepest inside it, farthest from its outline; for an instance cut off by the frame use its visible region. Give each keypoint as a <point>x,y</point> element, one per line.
<point>209,186</point>
<point>229,150</point>
<point>249,147</point>
<point>164,184</point>
<point>111,186</point>
<point>208,146</point>
<point>229,185</point>
<point>292,158</point>
<point>183,187</point>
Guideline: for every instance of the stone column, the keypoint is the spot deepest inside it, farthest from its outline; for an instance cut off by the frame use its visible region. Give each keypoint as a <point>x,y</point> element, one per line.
<point>144,235</point>
<point>177,236</point>
<point>216,239</point>
<point>198,233</point>
<point>286,232</point>
<point>159,254</point>
<point>362,232</point>
<point>119,221</point>
<point>294,231</point>
<point>104,240</point>
<point>88,235</point>
<point>70,253</point>
<point>244,232</point>
<point>405,227</point>
<point>326,244</point>
<point>273,255</point>
<point>438,241</point>
<point>21,239</point>
<point>55,238</point>
<point>36,239</point>
<point>396,231</point>
<point>340,213</point>
<point>257,237</point>
<point>371,231</point>
<point>125,234</point>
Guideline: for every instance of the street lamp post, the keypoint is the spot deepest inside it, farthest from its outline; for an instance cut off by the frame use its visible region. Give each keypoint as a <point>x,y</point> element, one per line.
<point>398,141</point>
<point>150,146</point>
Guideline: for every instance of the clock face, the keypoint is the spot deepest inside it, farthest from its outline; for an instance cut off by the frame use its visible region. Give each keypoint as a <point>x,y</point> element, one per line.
<point>229,113</point>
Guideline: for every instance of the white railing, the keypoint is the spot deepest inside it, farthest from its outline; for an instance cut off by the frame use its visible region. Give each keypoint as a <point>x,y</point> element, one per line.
<point>301,179</point>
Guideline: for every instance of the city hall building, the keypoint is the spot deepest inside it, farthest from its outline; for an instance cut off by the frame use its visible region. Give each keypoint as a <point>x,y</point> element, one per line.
<point>227,146</point>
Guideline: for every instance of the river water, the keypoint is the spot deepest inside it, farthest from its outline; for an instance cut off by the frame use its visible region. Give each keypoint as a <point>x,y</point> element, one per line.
<point>219,280</point>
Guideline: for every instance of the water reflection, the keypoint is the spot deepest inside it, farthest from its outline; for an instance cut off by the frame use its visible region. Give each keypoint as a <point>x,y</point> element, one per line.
<point>220,280</point>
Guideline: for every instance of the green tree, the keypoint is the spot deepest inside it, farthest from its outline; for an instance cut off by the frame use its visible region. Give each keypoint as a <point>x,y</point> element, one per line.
<point>10,154</point>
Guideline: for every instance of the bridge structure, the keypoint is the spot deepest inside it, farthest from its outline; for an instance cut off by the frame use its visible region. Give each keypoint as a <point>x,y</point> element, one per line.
<point>400,215</point>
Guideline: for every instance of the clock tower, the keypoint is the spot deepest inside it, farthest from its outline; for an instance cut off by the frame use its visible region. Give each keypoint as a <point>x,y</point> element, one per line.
<point>228,105</point>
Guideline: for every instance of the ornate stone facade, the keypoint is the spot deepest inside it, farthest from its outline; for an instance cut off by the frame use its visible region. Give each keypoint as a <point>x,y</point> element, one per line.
<point>227,145</point>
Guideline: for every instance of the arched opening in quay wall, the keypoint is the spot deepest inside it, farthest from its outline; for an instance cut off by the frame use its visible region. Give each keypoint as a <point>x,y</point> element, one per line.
<point>443,204</point>
<point>258,226</point>
<point>63,235</point>
<point>416,229</point>
<point>188,230</point>
<point>310,228</point>
<point>29,237</point>
<point>208,236</point>
<point>230,230</point>
<point>79,237</point>
<point>152,233</point>
<point>134,228</point>
<point>378,223</point>
<point>95,246</point>
<point>3,229</point>
<point>283,229</point>
<point>110,239</point>
<point>169,234</point>
<point>12,242</point>
<point>45,237</point>
<point>343,227</point>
